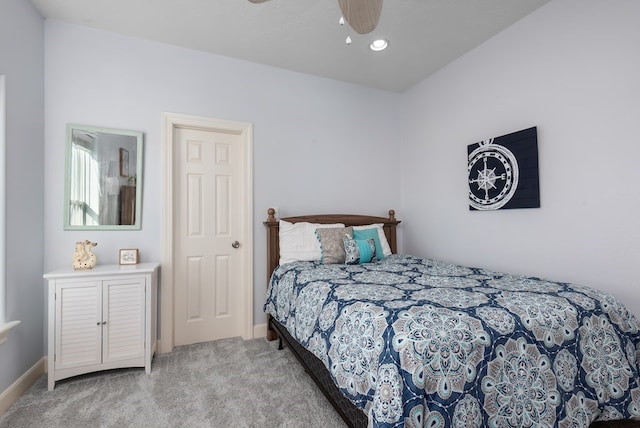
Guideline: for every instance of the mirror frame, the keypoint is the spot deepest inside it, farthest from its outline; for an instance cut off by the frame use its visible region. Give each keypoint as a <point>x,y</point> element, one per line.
<point>139,173</point>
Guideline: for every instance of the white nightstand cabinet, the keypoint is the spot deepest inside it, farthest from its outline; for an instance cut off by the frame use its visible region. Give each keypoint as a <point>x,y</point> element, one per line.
<point>100,319</point>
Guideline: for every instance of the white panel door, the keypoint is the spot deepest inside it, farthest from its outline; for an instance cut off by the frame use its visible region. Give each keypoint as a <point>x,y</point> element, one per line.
<point>79,325</point>
<point>208,235</point>
<point>123,313</point>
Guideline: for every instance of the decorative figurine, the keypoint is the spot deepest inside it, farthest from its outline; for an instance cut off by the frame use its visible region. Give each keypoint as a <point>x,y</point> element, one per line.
<point>83,258</point>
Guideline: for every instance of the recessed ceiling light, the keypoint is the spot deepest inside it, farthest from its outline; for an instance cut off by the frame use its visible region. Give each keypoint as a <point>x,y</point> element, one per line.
<point>379,45</point>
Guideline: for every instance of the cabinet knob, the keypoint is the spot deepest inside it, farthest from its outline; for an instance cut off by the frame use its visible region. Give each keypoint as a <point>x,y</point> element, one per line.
<point>104,322</point>
<point>235,244</point>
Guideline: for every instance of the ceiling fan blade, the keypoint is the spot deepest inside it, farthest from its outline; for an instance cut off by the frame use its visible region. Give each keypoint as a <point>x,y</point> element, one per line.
<point>258,1</point>
<point>362,15</point>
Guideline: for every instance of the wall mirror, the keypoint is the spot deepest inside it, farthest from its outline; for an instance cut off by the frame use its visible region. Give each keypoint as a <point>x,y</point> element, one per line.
<point>103,179</point>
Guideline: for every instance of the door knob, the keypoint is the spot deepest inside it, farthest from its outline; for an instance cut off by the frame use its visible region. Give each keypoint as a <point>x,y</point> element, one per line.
<point>235,244</point>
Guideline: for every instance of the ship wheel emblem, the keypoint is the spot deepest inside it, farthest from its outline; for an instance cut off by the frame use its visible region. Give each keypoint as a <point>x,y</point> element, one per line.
<point>493,176</point>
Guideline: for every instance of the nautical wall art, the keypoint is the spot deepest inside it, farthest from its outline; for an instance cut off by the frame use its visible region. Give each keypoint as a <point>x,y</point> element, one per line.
<point>503,172</point>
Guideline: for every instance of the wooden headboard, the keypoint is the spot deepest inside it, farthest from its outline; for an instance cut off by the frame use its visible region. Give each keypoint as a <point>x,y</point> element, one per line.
<point>273,237</point>
<point>273,228</point>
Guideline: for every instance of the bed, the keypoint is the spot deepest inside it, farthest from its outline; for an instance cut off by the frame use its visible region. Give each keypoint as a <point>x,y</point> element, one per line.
<point>407,341</point>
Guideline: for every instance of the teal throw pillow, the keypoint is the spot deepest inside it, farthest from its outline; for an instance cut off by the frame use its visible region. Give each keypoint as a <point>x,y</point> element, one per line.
<point>364,234</point>
<point>359,251</point>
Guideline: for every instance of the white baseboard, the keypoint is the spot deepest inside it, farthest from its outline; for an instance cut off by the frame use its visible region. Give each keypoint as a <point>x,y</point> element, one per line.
<point>11,394</point>
<point>259,330</point>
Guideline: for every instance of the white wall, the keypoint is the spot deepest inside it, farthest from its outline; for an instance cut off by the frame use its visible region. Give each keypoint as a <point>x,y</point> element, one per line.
<point>320,146</point>
<point>572,68</point>
<point>22,61</point>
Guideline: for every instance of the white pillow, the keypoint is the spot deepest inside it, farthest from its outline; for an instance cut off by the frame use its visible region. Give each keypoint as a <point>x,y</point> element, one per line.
<point>298,241</point>
<point>386,249</point>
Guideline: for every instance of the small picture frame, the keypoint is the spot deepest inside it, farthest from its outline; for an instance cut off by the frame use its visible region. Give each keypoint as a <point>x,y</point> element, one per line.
<point>129,256</point>
<point>124,162</point>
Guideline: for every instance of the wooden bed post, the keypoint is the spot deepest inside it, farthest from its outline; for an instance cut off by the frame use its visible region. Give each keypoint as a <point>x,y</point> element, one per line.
<point>273,255</point>
<point>390,231</point>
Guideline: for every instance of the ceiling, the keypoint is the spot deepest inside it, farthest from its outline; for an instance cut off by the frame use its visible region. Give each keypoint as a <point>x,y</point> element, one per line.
<point>304,35</point>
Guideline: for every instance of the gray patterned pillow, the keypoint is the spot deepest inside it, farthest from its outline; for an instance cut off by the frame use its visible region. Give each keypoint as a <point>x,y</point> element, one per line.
<point>332,244</point>
<point>359,251</point>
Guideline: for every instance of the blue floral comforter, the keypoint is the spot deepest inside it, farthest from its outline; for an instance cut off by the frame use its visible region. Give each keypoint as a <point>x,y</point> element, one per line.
<point>421,343</point>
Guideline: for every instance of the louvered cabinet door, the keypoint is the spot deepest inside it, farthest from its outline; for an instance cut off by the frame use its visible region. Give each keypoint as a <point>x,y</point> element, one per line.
<point>123,309</point>
<point>78,319</point>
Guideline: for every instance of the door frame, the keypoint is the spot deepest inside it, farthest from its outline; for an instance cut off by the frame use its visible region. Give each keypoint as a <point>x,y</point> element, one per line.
<point>171,121</point>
